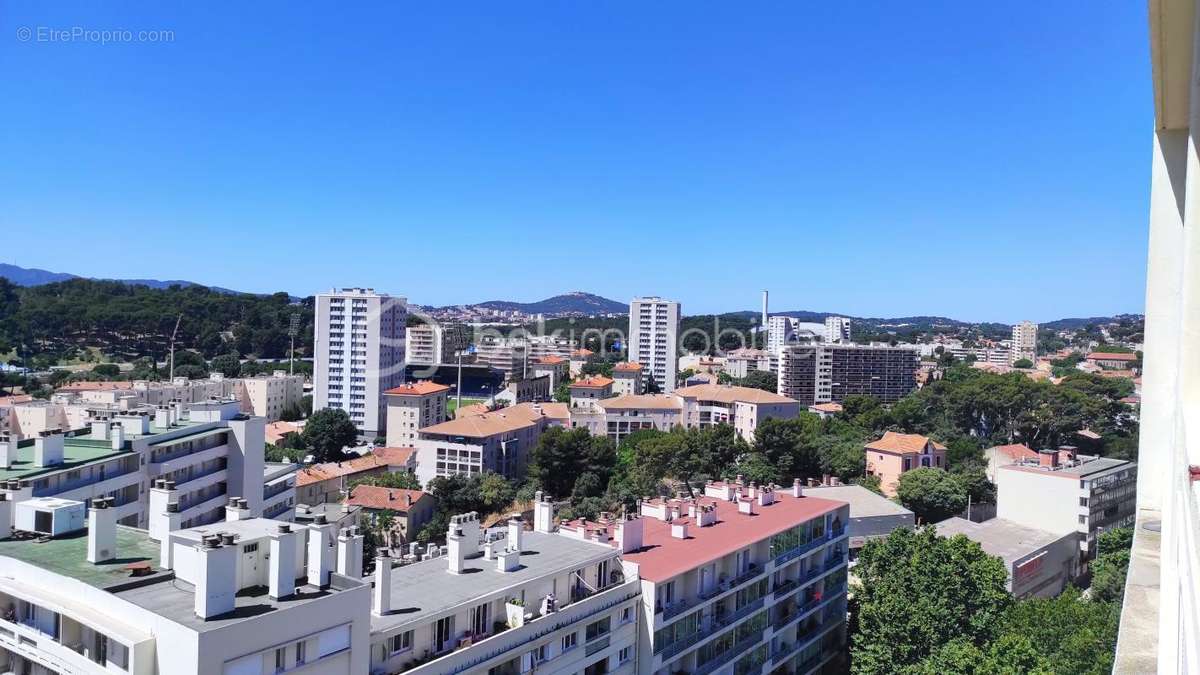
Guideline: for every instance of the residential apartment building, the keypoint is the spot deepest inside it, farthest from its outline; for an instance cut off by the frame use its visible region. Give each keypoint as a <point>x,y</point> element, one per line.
<point>741,362</point>
<point>785,330</point>
<point>1024,342</point>
<point>619,416</point>
<point>432,344</point>
<point>517,356</point>
<point>826,373</point>
<point>498,441</point>
<point>744,408</point>
<point>506,601</point>
<point>413,406</point>
<point>115,599</point>
<point>588,392</point>
<point>743,579</point>
<point>556,368</point>
<point>209,451</point>
<point>837,330</point>
<point>1064,492</point>
<point>359,341</point>
<point>654,339</point>
<point>894,454</point>
<point>872,516</point>
<point>1112,360</point>
<point>1039,564</point>
<point>628,379</point>
<point>409,510</point>
<point>329,482</point>
<point>271,395</point>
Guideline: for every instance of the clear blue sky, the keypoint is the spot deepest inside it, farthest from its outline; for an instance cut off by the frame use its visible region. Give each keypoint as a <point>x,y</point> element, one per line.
<point>986,161</point>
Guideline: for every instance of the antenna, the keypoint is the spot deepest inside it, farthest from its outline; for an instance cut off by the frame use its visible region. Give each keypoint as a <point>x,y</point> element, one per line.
<point>173,334</point>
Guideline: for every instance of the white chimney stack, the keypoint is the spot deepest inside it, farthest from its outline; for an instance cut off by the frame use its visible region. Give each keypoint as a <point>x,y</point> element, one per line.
<point>99,429</point>
<point>116,434</point>
<point>216,578</point>
<point>48,448</point>
<point>679,529</point>
<point>162,417</point>
<point>168,521</point>
<point>320,552</point>
<point>455,559</point>
<point>237,509</point>
<point>350,553</point>
<point>8,451</point>
<point>282,580</point>
<point>746,506</point>
<point>797,488</point>
<point>382,604</point>
<point>543,513</point>
<point>6,516</point>
<point>102,532</point>
<point>629,533</point>
<point>515,529</point>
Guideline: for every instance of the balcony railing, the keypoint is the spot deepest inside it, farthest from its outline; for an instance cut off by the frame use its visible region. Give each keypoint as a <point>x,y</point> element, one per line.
<point>739,648</point>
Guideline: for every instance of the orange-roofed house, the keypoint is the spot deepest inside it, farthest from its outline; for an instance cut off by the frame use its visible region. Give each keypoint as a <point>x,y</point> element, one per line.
<point>498,441</point>
<point>585,393</point>
<point>1116,361</point>
<point>895,453</point>
<point>412,406</point>
<point>411,509</point>
<point>556,367</point>
<point>578,358</point>
<point>324,483</point>
<point>628,379</point>
<point>744,408</point>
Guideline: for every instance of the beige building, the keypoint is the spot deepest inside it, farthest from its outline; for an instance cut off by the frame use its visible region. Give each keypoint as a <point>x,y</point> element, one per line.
<point>410,509</point>
<point>1024,342</point>
<point>330,482</point>
<point>271,395</point>
<point>628,379</point>
<point>620,416</point>
<point>586,392</point>
<point>744,408</point>
<point>741,362</point>
<point>498,441</point>
<point>557,367</point>
<point>413,406</point>
<point>578,358</point>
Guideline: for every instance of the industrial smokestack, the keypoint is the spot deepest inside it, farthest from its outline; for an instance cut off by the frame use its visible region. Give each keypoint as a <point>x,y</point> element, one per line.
<point>763,325</point>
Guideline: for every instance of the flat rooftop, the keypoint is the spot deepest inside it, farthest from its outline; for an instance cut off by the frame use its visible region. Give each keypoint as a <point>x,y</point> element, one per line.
<point>67,555</point>
<point>863,503</point>
<point>1085,468</point>
<point>663,556</point>
<point>83,448</point>
<point>999,537</point>
<point>427,588</point>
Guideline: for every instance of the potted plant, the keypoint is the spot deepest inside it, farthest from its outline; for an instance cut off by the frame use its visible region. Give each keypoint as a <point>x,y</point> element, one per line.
<point>514,611</point>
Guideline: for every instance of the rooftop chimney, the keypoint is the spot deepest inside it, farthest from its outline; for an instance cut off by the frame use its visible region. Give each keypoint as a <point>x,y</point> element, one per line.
<point>382,602</point>
<point>797,488</point>
<point>236,509</point>
<point>102,531</point>
<point>746,506</point>
<point>282,581</point>
<point>454,547</point>
<point>99,429</point>
<point>515,529</point>
<point>1048,458</point>
<point>706,515</point>
<point>679,529</point>
<point>350,553</point>
<point>629,533</point>
<point>216,578</point>
<point>320,553</point>
<point>48,448</point>
<point>543,513</point>
<point>168,522</point>
<point>6,516</point>
<point>116,434</point>
<point>162,417</point>
<point>8,451</point>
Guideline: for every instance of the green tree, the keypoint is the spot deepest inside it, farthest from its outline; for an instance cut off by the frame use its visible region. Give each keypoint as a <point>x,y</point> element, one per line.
<point>916,591</point>
<point>228,364</point>
<point>561,456</point>
<point>932,494</point>
<point>106,370</point>
<point>1022,363</point>
<point>393,479</point>
<point>760,379</point>
<point>327,432</point>
<point>754,466</point>
<point>1072,636</point>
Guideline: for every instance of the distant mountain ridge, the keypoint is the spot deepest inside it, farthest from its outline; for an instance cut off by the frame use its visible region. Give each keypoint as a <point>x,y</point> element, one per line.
<point>575,302</point>
<point>32,276</point>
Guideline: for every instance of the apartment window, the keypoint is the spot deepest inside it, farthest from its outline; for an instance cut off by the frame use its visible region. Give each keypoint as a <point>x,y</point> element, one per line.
<point>300,653</point>
<point>597,628</point>
<point>627,615</point>
<point>1082,519</point>
<point>1083,501</point>
<point>281,659</point>
<point>570,641</point>
<point>400,642</point>
<point>624,655</point>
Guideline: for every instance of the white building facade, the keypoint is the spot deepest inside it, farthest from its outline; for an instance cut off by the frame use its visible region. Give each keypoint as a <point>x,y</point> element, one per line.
<point>654,339</point>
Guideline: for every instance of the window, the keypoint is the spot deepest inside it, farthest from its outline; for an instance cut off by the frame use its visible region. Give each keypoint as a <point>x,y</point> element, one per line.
<point>250,548</point>
<point>570,641</point>
<point>627,615</point>
<point>400,642</point>
<point>598,628</point>
<point>1082,519</point>
<point>624,655</point>
<point>280,659</point>
<point>300,653</point>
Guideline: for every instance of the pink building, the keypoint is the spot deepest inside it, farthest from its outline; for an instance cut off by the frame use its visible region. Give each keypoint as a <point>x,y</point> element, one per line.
<point>895,453</point>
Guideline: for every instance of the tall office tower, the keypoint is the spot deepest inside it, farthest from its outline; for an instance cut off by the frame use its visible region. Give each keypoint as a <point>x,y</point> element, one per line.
<point>654,339</point>
<point>830,372</point>
<point>837,329</point>
<point>1024,341</point>
<point>359,354</point>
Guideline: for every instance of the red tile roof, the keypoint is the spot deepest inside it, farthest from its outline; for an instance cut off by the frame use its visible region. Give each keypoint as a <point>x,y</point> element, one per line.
<point>904,444</point>
<point>663,556</point>
<point>381,498</point>
<point>422,388</point>
<point>320,472</point>
<point>549,360</point>
<point>1111,356</point>
<point>1017,451</point>
<point>627,367</point>
<point>827,407</point>
<point>727,393</point>
<point>395,456</point>
<point>596,382</point>
<point>86,385</point>
<point>582,353</point>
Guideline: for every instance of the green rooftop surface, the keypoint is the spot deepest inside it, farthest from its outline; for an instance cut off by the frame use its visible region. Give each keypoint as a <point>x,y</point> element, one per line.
<point>76,452</point>
<point>67,555</point>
